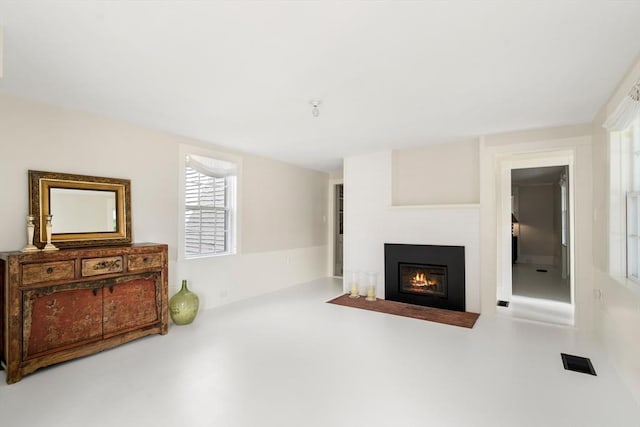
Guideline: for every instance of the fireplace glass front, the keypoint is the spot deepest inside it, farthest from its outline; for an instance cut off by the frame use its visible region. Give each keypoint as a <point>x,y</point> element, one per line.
<point>423,279</point>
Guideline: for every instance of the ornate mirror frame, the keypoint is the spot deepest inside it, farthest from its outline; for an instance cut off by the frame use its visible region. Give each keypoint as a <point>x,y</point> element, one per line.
<point>40,186</point>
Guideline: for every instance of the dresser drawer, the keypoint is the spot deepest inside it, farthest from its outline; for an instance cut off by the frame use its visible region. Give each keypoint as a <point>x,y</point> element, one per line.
<point>105,265</point>
<point>47,272</point>
<point>144,261</point>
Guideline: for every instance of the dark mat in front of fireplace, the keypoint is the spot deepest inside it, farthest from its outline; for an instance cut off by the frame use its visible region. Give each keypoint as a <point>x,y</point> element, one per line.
<point>447,317</point>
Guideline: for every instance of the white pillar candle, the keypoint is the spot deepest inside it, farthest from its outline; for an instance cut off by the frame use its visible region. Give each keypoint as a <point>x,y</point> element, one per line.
<point>354,289</point>
<point>371,293</point>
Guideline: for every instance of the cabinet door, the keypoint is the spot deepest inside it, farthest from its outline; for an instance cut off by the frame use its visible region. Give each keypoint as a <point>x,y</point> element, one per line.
<point>131,302</point>
<point>60,317</point>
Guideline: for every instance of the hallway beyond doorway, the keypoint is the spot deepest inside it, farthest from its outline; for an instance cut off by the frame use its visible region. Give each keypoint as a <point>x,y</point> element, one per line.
<point>540,296</point>
<point>529,282</point>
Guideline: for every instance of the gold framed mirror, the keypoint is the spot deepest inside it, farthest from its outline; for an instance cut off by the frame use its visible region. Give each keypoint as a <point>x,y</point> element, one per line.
<point>86,210</point>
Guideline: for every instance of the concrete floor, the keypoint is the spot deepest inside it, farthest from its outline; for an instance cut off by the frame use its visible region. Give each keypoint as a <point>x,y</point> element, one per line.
<point>540,296</point>
<point>530,283</point>
<point>289,359</point>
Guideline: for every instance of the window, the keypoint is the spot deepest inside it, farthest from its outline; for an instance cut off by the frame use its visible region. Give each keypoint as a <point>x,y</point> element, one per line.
<point>631,138</point>
<point>632,236</point>
<point>624,205</point>
<point>209,206</point>
<point>623,125</point>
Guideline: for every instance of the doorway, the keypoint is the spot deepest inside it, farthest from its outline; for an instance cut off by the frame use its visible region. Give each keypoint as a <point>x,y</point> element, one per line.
<point>536,249</point>
<point>338,230</point>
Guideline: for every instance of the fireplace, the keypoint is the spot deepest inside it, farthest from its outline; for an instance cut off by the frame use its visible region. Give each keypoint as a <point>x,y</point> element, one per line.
<point>425,275</point>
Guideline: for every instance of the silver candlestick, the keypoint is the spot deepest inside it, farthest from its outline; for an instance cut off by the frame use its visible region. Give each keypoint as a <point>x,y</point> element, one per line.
<point>49,246</point>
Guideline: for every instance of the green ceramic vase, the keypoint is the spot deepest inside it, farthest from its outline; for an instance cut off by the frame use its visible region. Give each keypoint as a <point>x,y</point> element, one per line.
<point>183,306</point>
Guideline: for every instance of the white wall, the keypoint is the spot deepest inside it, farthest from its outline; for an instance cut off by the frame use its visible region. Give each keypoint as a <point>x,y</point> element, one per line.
<point>436,174</point>
<point>282,208</point>
<point>617,313</point>
<point>371,221</point>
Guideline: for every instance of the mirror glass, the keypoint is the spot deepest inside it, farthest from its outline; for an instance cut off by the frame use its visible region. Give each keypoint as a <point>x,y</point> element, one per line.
<point>82,211</point>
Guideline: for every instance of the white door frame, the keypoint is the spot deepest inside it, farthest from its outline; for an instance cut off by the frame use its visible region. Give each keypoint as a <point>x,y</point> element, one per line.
<point>520,161</point>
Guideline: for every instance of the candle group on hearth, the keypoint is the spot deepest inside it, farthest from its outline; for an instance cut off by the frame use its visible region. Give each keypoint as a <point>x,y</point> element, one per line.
<point>356,282</point>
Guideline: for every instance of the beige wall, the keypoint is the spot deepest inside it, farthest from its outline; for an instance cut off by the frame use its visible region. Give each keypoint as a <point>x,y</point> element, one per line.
<point>41,137</point>
<point>436,174</point>
<point>536,223</point>
<point>283,206</point>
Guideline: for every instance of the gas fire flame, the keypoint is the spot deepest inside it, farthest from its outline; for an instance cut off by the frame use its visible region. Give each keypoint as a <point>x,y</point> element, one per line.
<point>420,279</point>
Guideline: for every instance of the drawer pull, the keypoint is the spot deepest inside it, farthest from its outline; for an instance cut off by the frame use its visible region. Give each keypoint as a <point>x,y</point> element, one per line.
<point>95,292</point>
<point>49,270</point>
<point>145,260</point>
<point>111,289</point>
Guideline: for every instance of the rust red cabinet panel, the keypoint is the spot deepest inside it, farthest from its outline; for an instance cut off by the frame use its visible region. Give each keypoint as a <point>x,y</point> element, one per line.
<point>57,306</point>
<point>60,317</point>
<point>131,304</point>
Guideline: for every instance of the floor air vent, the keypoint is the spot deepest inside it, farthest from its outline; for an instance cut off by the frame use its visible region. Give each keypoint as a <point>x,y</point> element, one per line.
<point>502,303</point>
<point>578,364</point>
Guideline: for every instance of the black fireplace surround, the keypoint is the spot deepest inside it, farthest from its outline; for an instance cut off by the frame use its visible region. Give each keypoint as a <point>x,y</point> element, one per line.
<point>426,275</point>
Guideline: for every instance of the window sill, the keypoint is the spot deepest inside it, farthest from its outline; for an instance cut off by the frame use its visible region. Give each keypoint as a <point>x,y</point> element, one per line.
<point>222,255</point>
<point>627,283</point>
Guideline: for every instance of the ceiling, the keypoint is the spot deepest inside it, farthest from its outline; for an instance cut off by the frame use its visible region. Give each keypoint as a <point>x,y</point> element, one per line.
<point>390,74</point>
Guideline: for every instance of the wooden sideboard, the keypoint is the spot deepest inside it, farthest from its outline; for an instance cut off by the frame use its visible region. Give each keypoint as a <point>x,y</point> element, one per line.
<point>60,305</point>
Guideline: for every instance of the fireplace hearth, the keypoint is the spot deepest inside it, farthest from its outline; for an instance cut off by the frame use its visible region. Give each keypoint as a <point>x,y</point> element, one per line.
<point>426,275</point>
